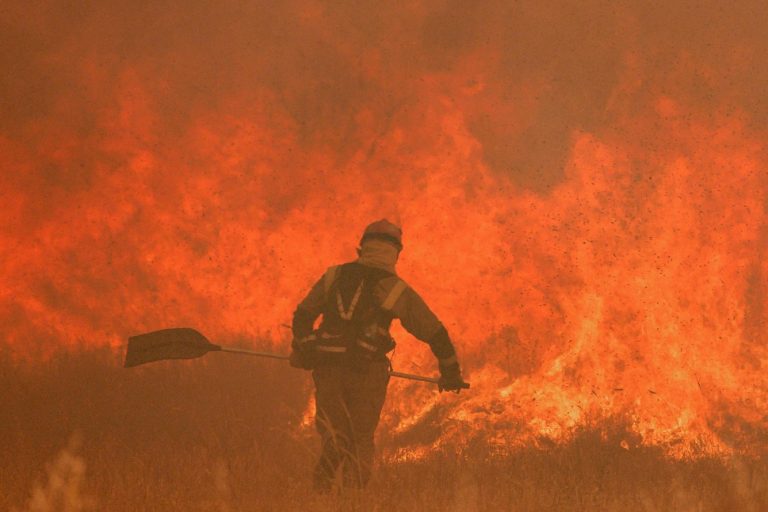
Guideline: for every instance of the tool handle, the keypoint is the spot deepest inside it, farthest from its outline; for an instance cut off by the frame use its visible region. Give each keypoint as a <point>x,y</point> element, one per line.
<point>253,353</point>
<point>411,376</point>
<point>431,380</point>
<point>270,355</point>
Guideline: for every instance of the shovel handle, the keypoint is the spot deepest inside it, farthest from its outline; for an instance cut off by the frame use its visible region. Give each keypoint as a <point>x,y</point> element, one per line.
<point>253,353</point>
<point>409,376</point>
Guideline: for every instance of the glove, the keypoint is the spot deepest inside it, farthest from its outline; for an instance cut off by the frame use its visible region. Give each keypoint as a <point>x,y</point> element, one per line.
<point>450,378</point>
<point>299,360</point>
<point>302,353</point>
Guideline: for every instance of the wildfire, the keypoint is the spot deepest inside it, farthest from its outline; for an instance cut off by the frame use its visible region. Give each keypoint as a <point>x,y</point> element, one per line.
<point>628,280</point>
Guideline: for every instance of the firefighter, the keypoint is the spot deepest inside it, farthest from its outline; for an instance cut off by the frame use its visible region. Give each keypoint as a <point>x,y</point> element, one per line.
<point>348,352</point>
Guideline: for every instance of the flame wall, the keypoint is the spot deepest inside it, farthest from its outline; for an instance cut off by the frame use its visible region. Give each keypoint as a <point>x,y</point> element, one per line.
<point>582,190</point>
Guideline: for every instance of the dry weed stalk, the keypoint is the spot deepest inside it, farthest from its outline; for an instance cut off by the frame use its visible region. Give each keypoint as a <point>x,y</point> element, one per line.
<point>64,489</point>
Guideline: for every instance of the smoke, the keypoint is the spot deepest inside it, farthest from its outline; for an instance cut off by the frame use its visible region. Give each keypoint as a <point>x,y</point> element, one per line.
<point>525,74</point>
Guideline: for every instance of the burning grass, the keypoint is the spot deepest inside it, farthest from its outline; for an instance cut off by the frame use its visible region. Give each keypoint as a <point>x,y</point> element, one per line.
<point>223,434</point>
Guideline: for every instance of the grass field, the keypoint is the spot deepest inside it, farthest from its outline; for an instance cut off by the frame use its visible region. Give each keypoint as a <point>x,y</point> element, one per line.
<point>223,434</point>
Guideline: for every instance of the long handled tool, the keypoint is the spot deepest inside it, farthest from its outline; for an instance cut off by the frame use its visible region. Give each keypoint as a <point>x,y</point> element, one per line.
<point>186,343</point>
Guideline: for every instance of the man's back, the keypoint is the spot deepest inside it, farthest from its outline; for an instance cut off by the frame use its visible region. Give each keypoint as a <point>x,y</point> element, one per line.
<point>347,353</point>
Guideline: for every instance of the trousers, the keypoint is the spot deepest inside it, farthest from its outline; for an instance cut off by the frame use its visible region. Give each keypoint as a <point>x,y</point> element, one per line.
<point>348,406</point>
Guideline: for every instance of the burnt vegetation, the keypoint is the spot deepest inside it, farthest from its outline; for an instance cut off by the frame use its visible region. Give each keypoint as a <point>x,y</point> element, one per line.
<point>226,433</point>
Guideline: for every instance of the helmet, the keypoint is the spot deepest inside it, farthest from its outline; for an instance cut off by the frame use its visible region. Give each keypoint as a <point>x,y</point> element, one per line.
<point>384,230</point>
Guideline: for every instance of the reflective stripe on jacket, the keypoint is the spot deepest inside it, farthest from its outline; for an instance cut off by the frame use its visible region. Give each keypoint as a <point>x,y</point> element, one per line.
<point>405,304</point>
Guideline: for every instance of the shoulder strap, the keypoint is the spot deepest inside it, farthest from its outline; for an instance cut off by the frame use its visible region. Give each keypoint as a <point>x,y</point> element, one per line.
<point>329,278</point>
<point>394,294</point>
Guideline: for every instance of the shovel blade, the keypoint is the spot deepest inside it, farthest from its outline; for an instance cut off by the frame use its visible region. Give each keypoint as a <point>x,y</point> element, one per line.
<point>178,343</point>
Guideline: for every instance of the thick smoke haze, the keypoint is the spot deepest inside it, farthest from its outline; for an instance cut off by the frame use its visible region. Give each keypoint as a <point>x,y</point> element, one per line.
<point>582,187</point>
<point>525,74</point>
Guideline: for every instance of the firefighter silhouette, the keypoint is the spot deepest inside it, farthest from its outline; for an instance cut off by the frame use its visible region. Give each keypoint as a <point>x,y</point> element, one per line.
<point>348,352</point>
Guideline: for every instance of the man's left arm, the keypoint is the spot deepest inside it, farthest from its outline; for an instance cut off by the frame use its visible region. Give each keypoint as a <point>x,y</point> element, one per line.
<point>421,322</point>
<point>303,324</point>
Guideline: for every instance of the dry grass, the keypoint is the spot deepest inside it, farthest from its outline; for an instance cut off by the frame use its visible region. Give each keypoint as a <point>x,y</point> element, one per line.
<point>221,434</point>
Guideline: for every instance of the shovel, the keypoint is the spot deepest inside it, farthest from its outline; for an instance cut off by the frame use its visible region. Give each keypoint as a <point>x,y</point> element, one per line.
<point>187,343</point>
